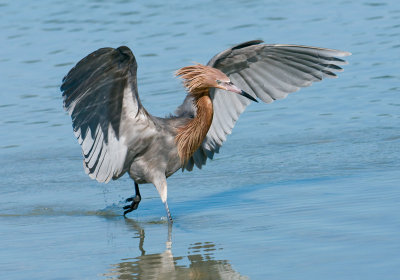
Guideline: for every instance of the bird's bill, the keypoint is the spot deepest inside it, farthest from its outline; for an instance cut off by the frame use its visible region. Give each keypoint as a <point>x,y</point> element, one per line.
<point>231,87</point>
<point>245,94</point>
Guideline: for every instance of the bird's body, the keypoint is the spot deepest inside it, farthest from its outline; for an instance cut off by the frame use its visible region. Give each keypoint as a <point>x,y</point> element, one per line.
<point>161,144</point>
<point>118,135</point>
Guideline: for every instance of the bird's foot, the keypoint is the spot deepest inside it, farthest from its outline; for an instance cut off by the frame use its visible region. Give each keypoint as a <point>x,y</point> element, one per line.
<point>134,205</point>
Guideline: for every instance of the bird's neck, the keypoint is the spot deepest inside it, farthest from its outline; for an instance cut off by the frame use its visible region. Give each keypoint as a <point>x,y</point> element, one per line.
<point>191,135</point>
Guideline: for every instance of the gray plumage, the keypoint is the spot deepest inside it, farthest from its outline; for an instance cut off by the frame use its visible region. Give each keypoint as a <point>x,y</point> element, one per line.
<point>118,135</point>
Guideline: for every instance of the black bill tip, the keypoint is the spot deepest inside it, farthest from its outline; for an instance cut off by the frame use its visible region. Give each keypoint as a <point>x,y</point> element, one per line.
<point>245,94</point>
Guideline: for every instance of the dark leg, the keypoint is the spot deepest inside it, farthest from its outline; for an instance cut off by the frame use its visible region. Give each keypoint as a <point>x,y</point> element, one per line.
<point>135,201</point>
<point>168,213</point>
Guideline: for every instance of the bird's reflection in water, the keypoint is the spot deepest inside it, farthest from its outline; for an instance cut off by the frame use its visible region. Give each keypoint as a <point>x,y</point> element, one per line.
<point>200,262</point>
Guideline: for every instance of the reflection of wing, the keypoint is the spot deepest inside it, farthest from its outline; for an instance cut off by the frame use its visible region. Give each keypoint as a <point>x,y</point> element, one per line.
<point>268,72</point>
<point>100,93</point>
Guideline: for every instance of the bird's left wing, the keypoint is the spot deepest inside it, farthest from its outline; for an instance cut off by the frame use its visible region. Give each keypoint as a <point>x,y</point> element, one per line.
<point>267,72</point>
<point>100,93</point>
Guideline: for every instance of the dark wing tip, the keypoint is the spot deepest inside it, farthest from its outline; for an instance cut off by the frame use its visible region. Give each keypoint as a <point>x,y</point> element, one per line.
<point>125,50</point>
<point>246,44</point>
<point>127,56</point>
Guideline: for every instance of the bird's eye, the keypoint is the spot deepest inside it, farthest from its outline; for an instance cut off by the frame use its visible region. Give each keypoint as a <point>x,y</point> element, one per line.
<point>218,82</point>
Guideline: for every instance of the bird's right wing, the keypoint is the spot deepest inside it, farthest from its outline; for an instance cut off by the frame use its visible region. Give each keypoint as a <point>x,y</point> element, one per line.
<point>267,72</point>
<point>100,93</point>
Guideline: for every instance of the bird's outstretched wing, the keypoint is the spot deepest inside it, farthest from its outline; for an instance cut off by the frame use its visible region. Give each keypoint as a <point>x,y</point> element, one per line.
<point>267,72</point>
<point>100,93</point>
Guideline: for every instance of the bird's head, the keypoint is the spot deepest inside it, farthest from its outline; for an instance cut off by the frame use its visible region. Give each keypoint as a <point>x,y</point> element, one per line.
<point>199,78</point>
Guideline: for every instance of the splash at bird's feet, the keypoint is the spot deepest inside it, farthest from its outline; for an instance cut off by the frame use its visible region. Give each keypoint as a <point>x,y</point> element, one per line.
<point>134,205</point>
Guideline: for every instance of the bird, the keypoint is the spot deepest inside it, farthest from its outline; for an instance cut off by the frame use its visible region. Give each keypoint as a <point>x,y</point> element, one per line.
<point>118,135</point>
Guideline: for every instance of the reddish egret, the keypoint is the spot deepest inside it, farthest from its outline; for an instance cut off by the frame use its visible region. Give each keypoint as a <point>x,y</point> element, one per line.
<point>118,135</point>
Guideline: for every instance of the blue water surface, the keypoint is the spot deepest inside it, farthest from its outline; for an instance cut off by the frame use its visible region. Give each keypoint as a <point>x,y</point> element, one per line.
<point>304,188</point>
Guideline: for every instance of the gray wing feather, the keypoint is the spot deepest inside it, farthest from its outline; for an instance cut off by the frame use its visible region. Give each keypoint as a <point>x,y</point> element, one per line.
<point>100,94</point>
<point>267,72</point>
<point>187,108</point>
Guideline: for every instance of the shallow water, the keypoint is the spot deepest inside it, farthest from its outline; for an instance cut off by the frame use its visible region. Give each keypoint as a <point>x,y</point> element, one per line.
<point>304,188</point>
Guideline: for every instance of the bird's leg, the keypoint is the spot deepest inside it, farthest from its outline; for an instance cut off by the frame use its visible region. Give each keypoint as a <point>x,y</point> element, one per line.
<point>160,183</point>
<point>168,213</point>
<point>135,201</point>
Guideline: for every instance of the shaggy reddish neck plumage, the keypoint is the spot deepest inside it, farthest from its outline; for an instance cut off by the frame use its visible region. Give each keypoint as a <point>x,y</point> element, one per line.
<point>191,135</point>
<point>197,79</point>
